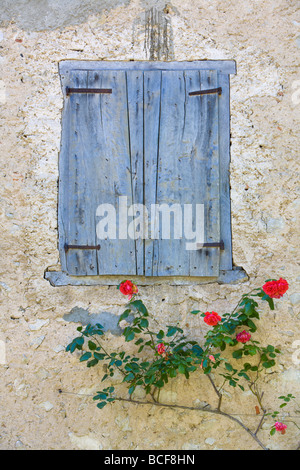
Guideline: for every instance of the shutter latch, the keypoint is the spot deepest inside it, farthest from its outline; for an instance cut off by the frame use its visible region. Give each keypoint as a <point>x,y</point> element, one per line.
<point>87,90</point>
<point>206,92</point>
<point>211,245</point>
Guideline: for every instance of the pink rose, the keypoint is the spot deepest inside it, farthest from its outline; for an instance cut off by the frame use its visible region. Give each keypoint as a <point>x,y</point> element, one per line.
<point>161,349</point>
<point>280,427</point>
<point>243,337</point>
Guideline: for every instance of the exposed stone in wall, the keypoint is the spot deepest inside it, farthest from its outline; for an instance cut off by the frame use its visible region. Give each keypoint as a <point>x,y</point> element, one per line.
<point>263,38</point>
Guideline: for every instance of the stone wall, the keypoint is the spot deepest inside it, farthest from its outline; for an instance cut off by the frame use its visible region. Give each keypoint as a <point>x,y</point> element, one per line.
<point>38,321</point>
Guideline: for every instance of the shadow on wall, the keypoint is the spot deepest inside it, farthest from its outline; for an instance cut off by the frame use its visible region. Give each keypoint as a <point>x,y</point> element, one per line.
<point>40,15</point>
<point>153,21</point>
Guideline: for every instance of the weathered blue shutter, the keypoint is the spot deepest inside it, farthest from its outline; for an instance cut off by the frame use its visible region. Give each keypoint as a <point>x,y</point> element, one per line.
<point>153,142</point>
<point>182,168</point>
<point>97,169</point>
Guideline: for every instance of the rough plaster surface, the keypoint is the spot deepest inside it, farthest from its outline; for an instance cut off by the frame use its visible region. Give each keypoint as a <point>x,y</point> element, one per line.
<point>263,38</point>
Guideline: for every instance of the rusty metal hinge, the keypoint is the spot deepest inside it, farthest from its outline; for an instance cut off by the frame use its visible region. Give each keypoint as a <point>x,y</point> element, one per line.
<point>87,90</point>
<point>81,247</point>
<point>211,245</point>
<point>206,92</point>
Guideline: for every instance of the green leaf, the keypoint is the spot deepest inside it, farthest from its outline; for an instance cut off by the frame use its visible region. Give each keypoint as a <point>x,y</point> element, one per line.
<point>159,383</point>
<point>124,315</point>
<point>269,300</point>
<point>272,432</point>
<point>139,305</point>
<point>243,374</point>
<point>130,336</point>
<point>139,341</point>
<point>144,365</point>
<point>85,356</point>
<point>181,369</point>
<point>92,346</point>
<point>75,344</point>
<point>251,325</point>
<point>99,356</point>
<point>171,331</point>
<point>129,377</point>
<point>237,354</point>
<point>144,323</point>
<point>197,350</point>
<point>160,334</point>
<point>268,364</point>
<point>228,340</point>
<point>92,363</point>
<point>194,312</point>
<point>101,404</point>
<point>228,366</point>
<point>100,396</point>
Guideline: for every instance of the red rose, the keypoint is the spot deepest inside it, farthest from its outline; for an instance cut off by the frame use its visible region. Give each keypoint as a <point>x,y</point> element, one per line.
<point>276,289</point>
<point>212,318</point>
<point>243,337</point>
<point>128,288</point>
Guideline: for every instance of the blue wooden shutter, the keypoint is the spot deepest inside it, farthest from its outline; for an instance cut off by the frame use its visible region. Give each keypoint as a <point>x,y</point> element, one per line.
<point>182,166</point>
<point>153,142</point>
<point>100,163</point>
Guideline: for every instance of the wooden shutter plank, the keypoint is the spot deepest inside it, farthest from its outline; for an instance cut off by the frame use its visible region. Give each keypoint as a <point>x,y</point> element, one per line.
<point>188,170</point>
<point>112,170</point>
<point>206,261</point>
<point>98,168</point>
<point>224,143</point>
<point>80,225</point>
<point>134,83</point>
<point>169,255</point>
<point>152,115</point>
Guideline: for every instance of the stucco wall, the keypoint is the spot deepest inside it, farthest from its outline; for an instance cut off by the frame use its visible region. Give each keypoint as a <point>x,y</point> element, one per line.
<point>263,38</point>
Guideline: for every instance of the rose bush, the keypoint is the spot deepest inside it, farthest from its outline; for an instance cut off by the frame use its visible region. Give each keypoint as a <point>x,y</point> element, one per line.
<point>159,356</point>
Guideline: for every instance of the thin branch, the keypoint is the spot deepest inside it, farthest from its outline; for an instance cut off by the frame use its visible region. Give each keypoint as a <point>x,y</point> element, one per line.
<point>260,423</point>
<point>183,407</point>
<point>220,396</point>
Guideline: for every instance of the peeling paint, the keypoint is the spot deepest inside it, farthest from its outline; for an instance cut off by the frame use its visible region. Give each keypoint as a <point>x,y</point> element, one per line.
<point>108,320</point>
